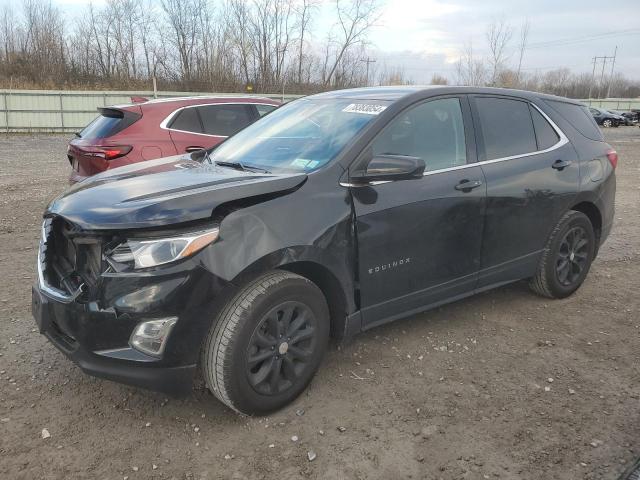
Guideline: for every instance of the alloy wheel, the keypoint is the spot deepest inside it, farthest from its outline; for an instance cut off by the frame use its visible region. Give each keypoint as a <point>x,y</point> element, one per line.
<point>572,258</point>
<point>281,348</point>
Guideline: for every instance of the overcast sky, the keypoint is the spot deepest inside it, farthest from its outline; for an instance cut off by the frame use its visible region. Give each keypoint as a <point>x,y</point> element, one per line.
<point>426,36</point>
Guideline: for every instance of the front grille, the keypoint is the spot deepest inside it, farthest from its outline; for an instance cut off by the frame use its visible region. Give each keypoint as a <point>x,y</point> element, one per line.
<point>71,259</point>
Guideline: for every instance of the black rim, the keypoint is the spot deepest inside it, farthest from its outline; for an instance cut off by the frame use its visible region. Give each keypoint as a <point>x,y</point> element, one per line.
<point>572,256</point>
<point>281,348</point>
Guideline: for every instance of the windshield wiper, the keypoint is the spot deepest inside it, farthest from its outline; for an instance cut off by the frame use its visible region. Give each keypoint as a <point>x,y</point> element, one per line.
<point>241,166</point>
<point>236,165</point>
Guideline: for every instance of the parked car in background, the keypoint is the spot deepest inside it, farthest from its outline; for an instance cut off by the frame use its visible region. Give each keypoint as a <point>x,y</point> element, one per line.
<point>337,213</point>
<point>606,118</point>
<point>146,130</point>
<point>629,118</point>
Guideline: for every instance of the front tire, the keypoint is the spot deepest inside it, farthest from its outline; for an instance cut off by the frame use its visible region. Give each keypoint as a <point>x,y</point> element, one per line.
<point>607,123</point>
<point>566,258</point>
<point>267,343</point>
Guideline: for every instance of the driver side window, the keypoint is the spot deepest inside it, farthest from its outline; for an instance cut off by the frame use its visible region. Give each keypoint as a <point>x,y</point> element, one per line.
<point>433,131</point>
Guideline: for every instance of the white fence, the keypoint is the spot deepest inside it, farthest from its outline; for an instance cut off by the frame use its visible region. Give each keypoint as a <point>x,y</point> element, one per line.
<point>614,103</point>
<point>70,111</point>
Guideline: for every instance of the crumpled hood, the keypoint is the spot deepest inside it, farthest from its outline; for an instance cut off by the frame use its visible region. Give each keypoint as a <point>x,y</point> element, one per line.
<point>161,192</point>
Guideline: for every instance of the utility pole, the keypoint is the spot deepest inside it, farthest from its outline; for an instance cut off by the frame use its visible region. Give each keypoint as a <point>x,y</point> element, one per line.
<point>604,59</point>
<point>604,64</point>
<point>613,64</point>
<point>593,75</point>
<point>368,61</point>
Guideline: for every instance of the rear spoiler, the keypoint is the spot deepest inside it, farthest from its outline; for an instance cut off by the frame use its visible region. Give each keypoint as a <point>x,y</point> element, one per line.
<point>128,117</point>
<point>111,112</point>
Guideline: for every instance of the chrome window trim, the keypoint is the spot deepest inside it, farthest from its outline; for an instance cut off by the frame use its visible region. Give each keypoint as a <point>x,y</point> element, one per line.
<point>170,117</point>
<point>563,140</point>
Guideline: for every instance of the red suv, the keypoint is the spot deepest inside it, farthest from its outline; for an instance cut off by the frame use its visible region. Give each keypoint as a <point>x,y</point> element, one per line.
<point>126,134</point>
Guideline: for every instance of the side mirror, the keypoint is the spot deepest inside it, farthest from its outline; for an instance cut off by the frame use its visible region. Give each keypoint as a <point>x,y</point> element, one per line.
<point>390,167</point>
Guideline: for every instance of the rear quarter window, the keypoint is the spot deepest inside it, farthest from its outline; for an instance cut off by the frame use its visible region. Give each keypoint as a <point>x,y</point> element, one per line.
<point>546,136</point>
<point>507,128</point>
<point>579,117</point>
<point>187,120</point>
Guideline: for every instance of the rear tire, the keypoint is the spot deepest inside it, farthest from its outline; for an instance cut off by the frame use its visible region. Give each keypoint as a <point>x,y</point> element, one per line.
<point>607,123</point>
<point>566,258</point>
<point>267,343</point>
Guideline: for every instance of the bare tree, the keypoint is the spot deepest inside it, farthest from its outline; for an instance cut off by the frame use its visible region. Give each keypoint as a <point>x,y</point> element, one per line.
<point>392,76</point>
<point>305,11</point>
<point>498,36</point>
<point>8,34</point>
<point>437,79</point>
<point>183,19</point>
<point>469,69</point>
<point>522,44</point>
<point>221,46</point>
<point>355,19</point>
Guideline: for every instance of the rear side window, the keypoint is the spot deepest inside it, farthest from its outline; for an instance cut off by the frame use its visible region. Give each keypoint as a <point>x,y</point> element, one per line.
<point>507,128</point>
<point>579,117</point>
<point>545,134</point>
<point>433,131</point>
<point>263,108</point>
<point>187,120</point>
<point>225,120</point>
<point>108,123</point>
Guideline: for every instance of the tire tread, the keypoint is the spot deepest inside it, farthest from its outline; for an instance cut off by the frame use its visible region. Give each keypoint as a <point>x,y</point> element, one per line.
<point>539,282</point>
<point>216,367</point>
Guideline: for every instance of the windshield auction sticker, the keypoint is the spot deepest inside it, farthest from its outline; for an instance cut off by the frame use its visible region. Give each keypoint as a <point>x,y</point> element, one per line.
<point>366,108</point>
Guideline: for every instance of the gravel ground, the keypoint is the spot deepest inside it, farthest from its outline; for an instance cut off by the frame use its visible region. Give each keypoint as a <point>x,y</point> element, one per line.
<point>502,385</point>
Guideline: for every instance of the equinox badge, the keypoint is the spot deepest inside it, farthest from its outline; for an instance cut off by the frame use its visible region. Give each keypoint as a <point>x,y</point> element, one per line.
<point>389,266</point>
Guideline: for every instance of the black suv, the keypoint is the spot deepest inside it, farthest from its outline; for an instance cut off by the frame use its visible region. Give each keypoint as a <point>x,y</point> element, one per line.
<point>333,214</point>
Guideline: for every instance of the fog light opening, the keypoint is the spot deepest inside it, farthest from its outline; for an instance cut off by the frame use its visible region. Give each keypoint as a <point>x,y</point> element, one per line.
<point>151,336</point>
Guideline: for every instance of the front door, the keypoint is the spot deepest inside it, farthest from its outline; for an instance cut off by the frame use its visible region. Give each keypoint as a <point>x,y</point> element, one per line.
<point>419,240</point>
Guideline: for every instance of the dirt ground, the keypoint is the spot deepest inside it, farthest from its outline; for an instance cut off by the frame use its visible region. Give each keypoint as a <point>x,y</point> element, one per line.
<point>502,385</point>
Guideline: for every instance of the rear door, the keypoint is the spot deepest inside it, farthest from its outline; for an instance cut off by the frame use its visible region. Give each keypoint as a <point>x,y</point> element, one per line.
<point>419,240</point>
<point>532,172</point>
<point>223,120</point>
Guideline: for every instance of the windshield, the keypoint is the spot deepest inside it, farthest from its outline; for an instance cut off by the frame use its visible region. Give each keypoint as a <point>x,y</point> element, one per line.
<point>301,136</point>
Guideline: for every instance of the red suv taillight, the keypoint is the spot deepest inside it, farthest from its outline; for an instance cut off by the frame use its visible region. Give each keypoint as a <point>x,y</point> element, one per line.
<point>612,155</point>
<point>107,152</point>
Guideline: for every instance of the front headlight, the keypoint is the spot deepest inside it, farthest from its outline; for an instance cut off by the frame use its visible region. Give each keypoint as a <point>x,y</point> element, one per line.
<point>151,252</point>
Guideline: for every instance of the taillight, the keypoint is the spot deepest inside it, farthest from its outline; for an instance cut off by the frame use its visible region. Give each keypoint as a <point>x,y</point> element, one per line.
<point>110,152</point>
<point>612,155</point>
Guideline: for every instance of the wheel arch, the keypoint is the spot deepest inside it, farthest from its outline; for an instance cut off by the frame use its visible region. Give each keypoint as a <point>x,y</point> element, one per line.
<point>594,215</point>
<point>330,286</point>
<point>333,278</point>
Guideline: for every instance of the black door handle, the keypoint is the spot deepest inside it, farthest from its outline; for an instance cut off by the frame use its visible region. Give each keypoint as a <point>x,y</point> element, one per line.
<point>560,164</point>
<point>468,185</point>
<point>193,149</point>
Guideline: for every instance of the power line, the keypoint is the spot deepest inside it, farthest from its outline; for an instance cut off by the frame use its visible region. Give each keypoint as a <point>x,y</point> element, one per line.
<point>583,38</point>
